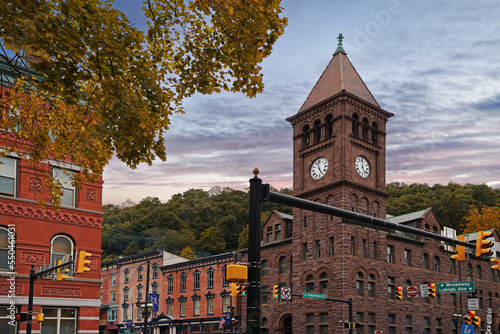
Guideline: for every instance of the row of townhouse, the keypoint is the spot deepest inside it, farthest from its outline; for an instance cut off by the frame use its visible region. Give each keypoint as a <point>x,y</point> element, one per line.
<point>191,295</point>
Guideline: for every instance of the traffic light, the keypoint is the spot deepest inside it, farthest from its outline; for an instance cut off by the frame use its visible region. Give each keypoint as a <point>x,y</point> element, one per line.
<point>242,290</point>
<point>399,293</point>
<point>483,245</point>
<point>234,291</point>
<point>60,272</point>
<point>468,318</point>
<point>496,265</point>
<point>236,273</point>
<point>432,290</point>
<point>460,250</point>
<point>276,291</point>
<point>82,261</point>
<point>476,320</point>
<point>40,317</point>
<point>21,317</point>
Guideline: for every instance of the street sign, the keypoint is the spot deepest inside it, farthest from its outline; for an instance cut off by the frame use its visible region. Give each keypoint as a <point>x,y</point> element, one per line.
<point>412,291</point>
<point>467,329</point>
<point>463,286</point>
<point>286,293</point>
<point>473,304</point>
<point>424,290</point>
<point>313,295</point>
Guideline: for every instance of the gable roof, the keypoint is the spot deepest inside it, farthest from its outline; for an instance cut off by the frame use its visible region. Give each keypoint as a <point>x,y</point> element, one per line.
<point>339,75</point>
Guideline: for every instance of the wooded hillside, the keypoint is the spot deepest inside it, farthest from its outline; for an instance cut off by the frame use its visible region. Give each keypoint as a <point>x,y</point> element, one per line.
<point>214,221</point>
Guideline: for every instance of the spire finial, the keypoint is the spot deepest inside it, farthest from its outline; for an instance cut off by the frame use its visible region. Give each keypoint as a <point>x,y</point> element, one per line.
<point>339,47</point>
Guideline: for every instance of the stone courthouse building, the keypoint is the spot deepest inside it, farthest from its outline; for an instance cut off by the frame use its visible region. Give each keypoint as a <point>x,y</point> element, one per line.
<point>339,154</point>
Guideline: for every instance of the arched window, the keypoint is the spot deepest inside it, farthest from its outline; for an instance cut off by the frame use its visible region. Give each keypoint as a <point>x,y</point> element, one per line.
<point>425,261</point>
<point>282,265</point>
<point>329,125</point>
<point>317,131</point>
<point>427,227</point>
<point>359,284</point>
<point>61,245</point>
<point>355,125</point>
<point>469,271</point>
<point>435,229</point>
<point>264,267</point>
<point>371,285</point>
<point>366,129</point>
<point>374,133</point>
<point>479,273</point>
<point>437,262</point>
<point>310,283</point>
<point>323,283</point>
<point>4,249</point>
<point>306,134</point>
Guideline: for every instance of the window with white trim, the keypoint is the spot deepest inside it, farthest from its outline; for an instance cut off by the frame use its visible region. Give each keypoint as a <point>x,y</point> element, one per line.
<point>63,177</point>
<point>4,249</point>
<point>8,175</point>
<point>61,245</point>
<point>59,321</point>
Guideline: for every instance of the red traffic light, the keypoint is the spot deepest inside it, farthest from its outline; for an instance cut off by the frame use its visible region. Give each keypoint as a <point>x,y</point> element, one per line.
<point>21,317</point>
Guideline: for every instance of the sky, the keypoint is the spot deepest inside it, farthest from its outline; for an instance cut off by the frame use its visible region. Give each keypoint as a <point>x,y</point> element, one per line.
<point>434,64</point>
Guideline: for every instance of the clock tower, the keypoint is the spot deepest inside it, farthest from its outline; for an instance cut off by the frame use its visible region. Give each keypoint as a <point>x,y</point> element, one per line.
<point>339,142</point>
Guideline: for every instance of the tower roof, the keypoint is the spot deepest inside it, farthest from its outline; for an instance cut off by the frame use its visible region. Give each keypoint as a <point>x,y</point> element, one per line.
<point>339,75</point>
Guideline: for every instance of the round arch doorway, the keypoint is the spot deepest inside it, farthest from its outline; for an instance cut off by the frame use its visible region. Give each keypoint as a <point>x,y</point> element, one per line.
<point>285,325</point>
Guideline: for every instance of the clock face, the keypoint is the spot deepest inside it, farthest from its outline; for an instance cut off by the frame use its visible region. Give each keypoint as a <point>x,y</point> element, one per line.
<point>362,167</point>
<point>319,168</point>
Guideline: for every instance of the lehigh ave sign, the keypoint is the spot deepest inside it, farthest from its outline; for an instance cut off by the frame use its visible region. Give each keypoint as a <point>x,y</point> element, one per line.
<point>463,286</point>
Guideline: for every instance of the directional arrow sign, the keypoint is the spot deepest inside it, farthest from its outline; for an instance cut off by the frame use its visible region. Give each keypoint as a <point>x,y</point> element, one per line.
<point>313,295</point>
<point>463,286</point>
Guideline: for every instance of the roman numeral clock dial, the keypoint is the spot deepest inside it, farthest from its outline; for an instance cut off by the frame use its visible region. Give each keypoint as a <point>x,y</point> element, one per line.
<point>319,168</point>
<point>362,167</point>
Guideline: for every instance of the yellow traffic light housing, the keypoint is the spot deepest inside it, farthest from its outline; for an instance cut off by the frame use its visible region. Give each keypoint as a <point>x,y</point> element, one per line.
<point>496,264</point>
<point>432,290</point>
<point>483,245</point>
<point>40,317</point>
<point>82,261</point>
<point>399,293</point>
<point>234,291</point>
<point>242,290</point>
<point>468,318</point>
<point>60,272</point>
<point>475,319</point>
<point>236,273</point>
<point>460,250</point>
<point>276,291</point>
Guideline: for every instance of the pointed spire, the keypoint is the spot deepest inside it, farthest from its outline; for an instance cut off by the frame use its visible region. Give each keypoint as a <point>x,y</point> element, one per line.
<point>339,47</point>
<point>339,75</point>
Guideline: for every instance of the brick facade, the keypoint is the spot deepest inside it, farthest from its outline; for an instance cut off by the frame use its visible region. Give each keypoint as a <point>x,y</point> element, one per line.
<point>341,259</point>
<point>193,295</point>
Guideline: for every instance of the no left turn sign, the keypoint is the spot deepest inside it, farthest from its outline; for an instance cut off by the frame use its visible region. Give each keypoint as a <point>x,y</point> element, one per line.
<point>286,293</point>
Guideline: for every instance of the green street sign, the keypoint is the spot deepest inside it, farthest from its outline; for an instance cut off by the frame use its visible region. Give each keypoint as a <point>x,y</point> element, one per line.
<point>463,286</point>
<point>313,295</point>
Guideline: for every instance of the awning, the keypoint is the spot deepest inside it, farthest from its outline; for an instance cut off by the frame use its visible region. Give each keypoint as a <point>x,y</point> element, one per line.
<point>111,327</point>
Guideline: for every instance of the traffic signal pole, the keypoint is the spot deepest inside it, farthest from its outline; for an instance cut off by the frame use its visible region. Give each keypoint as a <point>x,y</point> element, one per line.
<point>258,194</point>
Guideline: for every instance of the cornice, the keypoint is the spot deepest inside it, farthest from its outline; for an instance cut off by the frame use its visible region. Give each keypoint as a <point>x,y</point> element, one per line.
<point>25,211</point>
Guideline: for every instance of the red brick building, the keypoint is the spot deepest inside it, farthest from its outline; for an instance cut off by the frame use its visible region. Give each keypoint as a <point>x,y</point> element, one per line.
<point>193,295</point>
<point>41,235</point>
<point>339,137</point>
<point>123,288</point>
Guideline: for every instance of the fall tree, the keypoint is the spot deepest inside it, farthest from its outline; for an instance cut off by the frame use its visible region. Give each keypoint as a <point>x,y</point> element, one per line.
<point>188,253</point>
<point>482,219</point>
<point>83,84</point>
